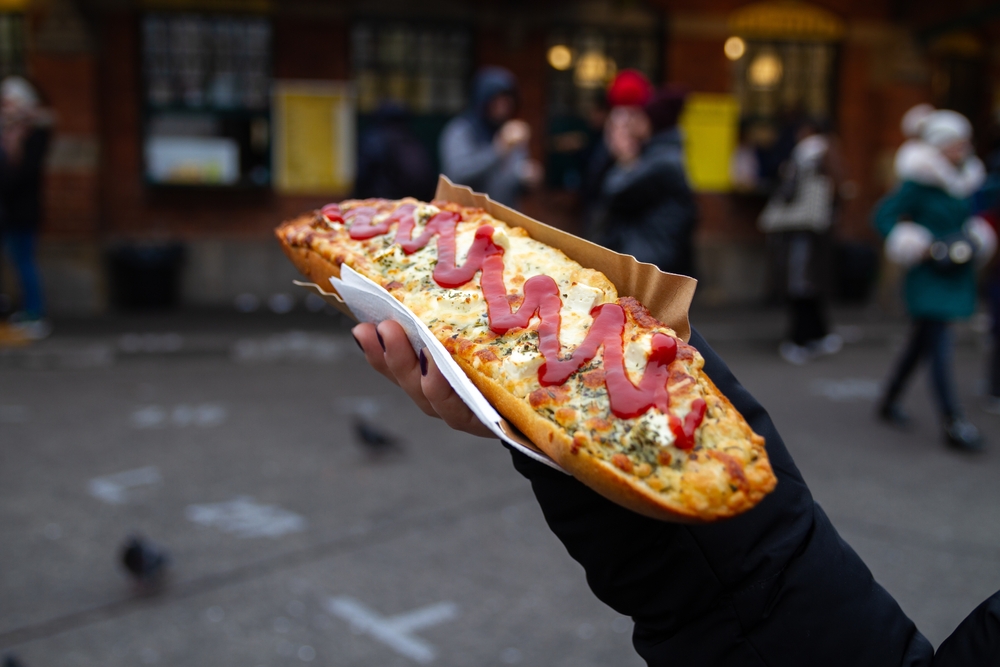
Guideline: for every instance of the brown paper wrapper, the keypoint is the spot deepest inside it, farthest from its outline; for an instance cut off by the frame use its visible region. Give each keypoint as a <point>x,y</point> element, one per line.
<point>666,295</point>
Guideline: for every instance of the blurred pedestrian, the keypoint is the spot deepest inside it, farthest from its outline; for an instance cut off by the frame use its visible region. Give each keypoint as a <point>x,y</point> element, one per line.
<point>485,147</point>
<point>25,129</point>
<point>919,161</point>
<point>929,230</point>
<point>630,89</point>
<point>392,162</point>
<point>648,206</point>
<point>744,164</point>
<point>797,220</point>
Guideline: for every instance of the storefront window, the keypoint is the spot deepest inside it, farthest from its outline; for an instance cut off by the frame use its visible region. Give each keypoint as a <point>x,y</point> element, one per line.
<point>11,44</point>
<point>207,100</point>
<point>958,68</point>
<point>584,60</point>
<point>581,62</point>
<point>424,69</point>
<point>784,59</point>
<point>778,78</point>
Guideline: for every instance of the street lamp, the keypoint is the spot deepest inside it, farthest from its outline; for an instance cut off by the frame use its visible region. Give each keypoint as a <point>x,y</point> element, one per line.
<point>560,57</point>
<point>734,48</point>
<point>765,70</point>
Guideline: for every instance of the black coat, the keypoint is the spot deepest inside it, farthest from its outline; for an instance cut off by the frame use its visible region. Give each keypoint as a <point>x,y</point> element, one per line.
<point>774,587</point>
<point>649,209</point>
<point>392,164</point>
<point>21,184</point>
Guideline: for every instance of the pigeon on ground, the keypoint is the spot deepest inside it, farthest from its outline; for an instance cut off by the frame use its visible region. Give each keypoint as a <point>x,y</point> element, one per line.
<point>145,562</point>
<point>372,440</point>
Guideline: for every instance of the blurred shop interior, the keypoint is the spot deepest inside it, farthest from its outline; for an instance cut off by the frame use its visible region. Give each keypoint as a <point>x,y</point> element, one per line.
<point>185,131</point>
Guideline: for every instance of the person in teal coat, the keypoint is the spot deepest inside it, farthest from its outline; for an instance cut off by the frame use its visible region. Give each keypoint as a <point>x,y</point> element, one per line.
<point>929,229</point>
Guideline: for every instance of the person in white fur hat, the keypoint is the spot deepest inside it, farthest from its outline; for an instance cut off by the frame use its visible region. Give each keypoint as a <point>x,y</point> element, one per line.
<point>930,230</point>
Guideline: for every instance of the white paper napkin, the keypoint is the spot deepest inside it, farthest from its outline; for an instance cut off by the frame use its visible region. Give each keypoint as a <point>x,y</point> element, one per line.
<point>370,302</point>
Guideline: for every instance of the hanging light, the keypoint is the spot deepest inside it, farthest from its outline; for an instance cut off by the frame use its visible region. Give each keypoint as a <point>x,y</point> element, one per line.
<point>765,70</point>
<point>560,57</point>
<point>592,69</point>
<point>734,48</point>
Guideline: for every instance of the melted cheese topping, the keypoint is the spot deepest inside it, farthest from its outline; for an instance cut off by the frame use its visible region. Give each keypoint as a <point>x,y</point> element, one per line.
<point>643,446</point>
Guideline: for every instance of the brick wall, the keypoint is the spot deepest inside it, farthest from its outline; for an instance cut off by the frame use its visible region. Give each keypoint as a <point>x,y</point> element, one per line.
<point>95,186</point>
<point>313,48</point>
<point>72,206</point>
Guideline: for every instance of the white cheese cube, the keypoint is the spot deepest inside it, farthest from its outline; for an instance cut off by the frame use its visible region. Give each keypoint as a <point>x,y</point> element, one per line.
<point>425,212</point>
<point>522,365</point>
<point>637,356</point>
<point>501,239</point>
<point>582,299</point>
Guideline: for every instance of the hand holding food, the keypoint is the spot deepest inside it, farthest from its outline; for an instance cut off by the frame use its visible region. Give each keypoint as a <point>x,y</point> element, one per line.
<point>389,352</point>
<point>512,134</point>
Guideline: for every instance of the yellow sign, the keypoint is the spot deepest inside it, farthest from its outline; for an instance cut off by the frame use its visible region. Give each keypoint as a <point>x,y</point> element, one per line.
<point>711,127</point>
<point>961,44</point>
<point>314,137</point>
<point>786,19</point>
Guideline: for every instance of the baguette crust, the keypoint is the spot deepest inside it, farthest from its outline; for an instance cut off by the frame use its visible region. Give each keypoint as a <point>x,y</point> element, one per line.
<point>726,473</point>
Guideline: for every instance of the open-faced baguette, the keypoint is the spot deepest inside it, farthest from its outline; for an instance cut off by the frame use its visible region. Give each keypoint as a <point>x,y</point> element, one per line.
<point>687,456</point>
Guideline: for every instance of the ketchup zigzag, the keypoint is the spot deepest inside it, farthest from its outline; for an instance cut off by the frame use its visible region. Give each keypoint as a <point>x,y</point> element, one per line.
<point>541,298</point>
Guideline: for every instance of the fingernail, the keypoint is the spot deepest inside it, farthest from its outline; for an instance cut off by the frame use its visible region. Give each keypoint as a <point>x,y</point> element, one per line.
<point>423,363</point>
<point>360,347</point>
<point>380,341</point>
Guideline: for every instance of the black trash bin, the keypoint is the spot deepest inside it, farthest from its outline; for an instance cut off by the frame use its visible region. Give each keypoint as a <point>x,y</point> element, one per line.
<point>145,276</point>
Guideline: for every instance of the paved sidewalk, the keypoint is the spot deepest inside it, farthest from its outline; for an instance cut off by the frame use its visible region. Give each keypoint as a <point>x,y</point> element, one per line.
<point>228,439</point>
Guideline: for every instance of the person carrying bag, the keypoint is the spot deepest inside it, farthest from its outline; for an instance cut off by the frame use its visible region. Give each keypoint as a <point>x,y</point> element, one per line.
<point>797,220</point>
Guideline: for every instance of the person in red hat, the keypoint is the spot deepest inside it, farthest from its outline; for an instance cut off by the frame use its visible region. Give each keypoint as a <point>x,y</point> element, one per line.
<point>648,207</point>
<point>624,99</point>
<point>630,88</point>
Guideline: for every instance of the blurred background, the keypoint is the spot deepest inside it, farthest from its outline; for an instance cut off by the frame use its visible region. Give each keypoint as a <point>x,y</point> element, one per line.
<point>197,467</point>
<point>190,128</point>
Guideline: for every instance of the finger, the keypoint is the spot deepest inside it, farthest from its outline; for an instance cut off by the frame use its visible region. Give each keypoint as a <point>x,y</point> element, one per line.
<point>368,339</point>
<point>401,361</point>
<point>448,404</point>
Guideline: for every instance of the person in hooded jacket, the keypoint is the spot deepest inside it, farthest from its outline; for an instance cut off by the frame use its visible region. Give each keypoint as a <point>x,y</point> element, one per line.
<point>485,147</point>
<point>649,208</point>
<point>930,230</point>
<point>25,132</point>
<point>774,587</point>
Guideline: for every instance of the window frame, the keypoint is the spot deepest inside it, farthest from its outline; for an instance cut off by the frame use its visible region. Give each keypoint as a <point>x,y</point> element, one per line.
<point>18,47</point>
<point>252,119</point>
<point>427,126</point>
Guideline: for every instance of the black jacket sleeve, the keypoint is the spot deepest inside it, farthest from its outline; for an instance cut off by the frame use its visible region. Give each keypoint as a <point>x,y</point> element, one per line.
<point>776,586</point>
<point>976,641</point>
<point>651,179</point>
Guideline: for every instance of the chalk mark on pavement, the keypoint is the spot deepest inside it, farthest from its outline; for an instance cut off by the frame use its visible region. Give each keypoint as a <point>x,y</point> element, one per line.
<point>396,632</point>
